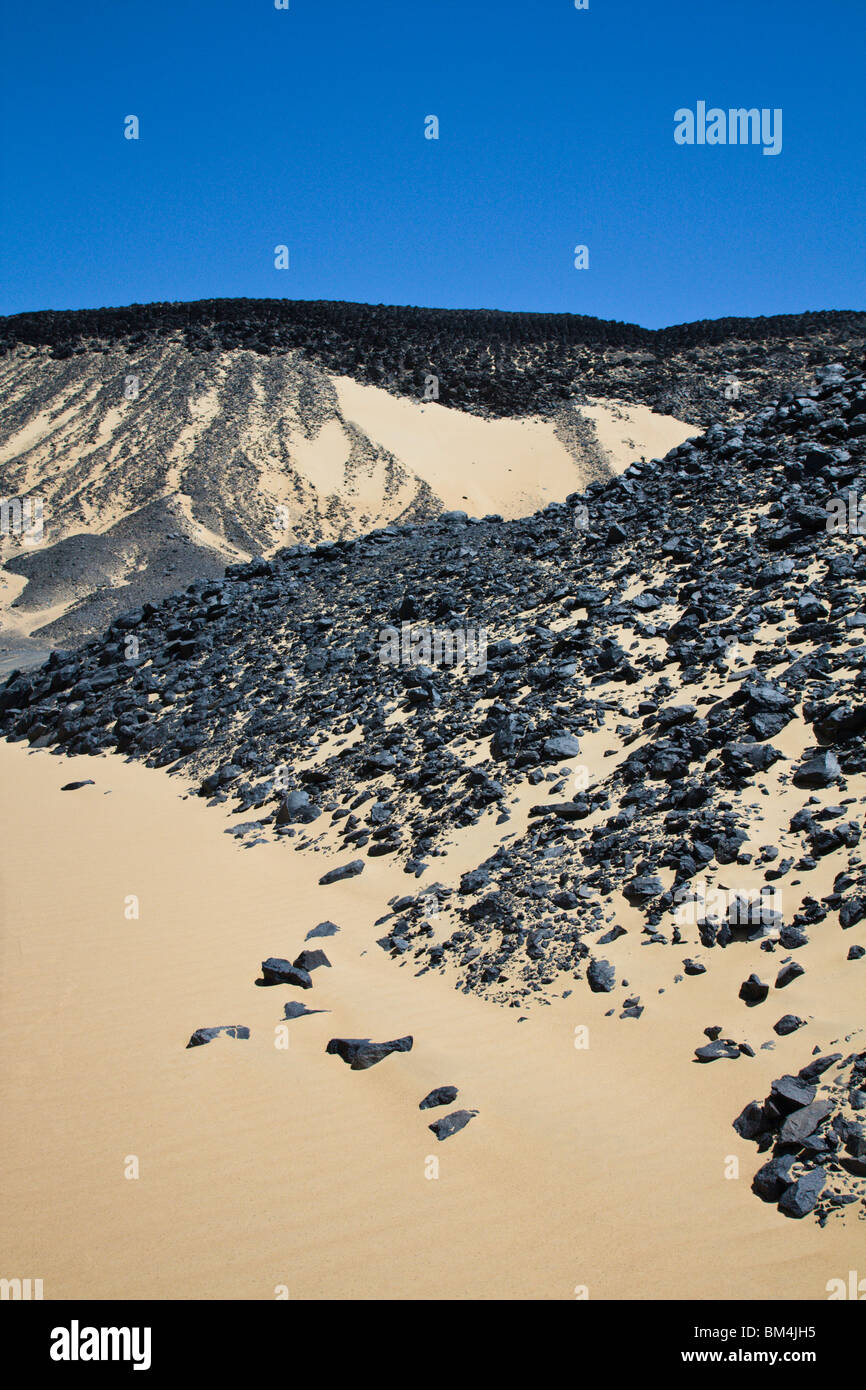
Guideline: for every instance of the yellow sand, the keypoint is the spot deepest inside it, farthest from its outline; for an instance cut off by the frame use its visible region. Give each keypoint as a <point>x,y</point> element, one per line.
<point>262,1167</point>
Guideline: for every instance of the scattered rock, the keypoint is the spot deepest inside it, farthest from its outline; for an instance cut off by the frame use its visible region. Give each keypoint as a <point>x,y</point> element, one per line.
<point>452,1124</point>
<point>753,990</point>
<point>323,929</point>
<point>206,1035</point>
<point>361,1053</point>
<point>788,1023</point>
<point>443,1095</point>
<point>802,1196</point>
<point>276,971</point>
<point>345,871</point>
<point>311,960</point>
<point>601,977</point>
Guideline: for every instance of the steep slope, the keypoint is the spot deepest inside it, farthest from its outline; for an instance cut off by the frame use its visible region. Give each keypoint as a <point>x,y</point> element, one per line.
<point>155,466</point>
<point>613,748</point>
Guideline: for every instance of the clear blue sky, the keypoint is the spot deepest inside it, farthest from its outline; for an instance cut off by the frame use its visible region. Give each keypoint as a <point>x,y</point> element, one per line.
<point>305,127</point>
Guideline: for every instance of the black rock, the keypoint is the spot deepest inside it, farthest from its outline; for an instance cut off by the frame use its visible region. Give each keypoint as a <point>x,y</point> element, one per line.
<point>791,1092</point>
<point>361,1053</point>
<point>443,1095</point>
<point>752,1121</point>
<point>206,1035</point>
<point>714,1051</point>
<point>788,1023</point>
<point>310,960</point>
<point>601,977</point>
<point>296,1009</point>
<point>771,1181</point>
<point>561,747</point>
<point>452,1124</point>
<point>276,971</point>
<point>789,972</point>
<point>852,911</point>
<point>74,787</point>
<point>803,1122</point>
<point>643,888</point>
<point>817,1067</point>
<point>323,929</point>
<point>802,1196</point>
<point>753,990</point>
<point>821,771</point>
<point>345,871</point>
<point>743,760</point>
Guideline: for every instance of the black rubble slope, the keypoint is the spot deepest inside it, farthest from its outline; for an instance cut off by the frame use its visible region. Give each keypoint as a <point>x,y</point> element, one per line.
<point>601,614</point>
<point>486,361</point>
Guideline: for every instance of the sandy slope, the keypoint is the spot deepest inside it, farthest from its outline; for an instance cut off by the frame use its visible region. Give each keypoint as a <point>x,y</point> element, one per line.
<point>513,467</point>
<point>262,1167</point>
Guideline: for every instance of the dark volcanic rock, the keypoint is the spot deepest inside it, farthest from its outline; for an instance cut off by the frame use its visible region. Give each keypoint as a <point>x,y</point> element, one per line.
<point>804,1121</point>
<point>295,1009</point>
<point>791,1092</point>
<point>802,1196</point>
<point>788,1023</point>
<point>452,1124</point>
<point>323,929</point>
<point>771,1181</point>
<point>601,977</point>
<point>715,1051</point>
<point>310,960</point>
<point>361,1053</point>
<point>752,1121</point>
<point>276,971</point>
<point>743,760</point>
<point>643,888</point>
<point>815,1139</point>
<point>443,1095</point>
<point>788,973</point>
<point>345,871</point>
<point>753,990</point>
<point>206,1035</point>
<point>821,771</point>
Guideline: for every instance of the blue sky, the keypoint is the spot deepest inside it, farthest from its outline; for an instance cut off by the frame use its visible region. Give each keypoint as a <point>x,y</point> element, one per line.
<point>305,127</point>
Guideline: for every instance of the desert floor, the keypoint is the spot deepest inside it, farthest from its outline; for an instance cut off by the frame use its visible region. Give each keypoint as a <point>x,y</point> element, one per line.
<point>263,1168</point>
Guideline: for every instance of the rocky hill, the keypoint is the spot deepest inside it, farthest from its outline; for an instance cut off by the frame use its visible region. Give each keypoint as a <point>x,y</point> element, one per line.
<point>164,441</point>
<point>488,361</point>
<point>639,712</point>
